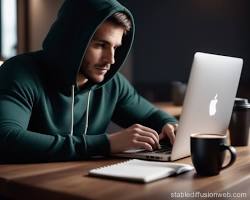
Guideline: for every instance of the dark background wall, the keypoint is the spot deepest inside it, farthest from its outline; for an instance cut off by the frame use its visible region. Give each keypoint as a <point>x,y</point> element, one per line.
<point>169,32</point>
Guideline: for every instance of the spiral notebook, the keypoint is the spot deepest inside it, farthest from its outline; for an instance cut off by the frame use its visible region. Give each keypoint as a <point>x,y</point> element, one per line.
<point>140,170</point>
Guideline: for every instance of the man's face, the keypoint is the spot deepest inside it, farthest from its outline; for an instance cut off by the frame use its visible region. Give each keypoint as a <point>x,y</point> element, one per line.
<point>100,53</point>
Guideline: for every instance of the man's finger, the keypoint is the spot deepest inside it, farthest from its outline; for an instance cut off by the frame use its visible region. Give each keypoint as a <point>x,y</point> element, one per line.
<point>161,136</point>
<point>169,131</point>
<point>149,130</point>
<point>143,145</point>
<point>150,135</point>
<point>171,136</point>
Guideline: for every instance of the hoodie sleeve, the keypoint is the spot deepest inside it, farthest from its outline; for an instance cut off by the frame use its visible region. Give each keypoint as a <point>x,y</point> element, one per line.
<point>19,92</point>
<point>133,108</point>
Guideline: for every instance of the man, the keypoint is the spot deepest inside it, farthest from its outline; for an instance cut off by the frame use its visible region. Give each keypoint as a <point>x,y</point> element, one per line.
<point>56,104</point>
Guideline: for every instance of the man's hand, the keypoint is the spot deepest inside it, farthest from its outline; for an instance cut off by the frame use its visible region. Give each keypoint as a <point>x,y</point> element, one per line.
<point>136,136</point>
<point>168,131</point>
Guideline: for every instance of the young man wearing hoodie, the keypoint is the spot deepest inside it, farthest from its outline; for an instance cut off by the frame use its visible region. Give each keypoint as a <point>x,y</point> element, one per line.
<point>56,104</point>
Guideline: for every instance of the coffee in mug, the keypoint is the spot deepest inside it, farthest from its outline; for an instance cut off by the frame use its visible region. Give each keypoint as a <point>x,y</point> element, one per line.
<point>208,152</point>
<point>240,123</point>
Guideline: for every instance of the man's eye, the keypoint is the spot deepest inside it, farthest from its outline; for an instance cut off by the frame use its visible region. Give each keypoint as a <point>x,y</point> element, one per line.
<point>100,45</point>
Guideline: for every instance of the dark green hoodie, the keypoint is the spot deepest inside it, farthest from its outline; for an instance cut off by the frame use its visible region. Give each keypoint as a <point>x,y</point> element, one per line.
<point>43,117</point>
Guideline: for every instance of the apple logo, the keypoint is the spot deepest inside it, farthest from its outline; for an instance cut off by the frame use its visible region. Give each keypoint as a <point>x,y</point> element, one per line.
<point>212,105</point>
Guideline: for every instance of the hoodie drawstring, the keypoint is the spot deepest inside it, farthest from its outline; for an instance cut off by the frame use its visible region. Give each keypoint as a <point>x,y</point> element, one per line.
<point>72,111</point>
<point>87,114</point>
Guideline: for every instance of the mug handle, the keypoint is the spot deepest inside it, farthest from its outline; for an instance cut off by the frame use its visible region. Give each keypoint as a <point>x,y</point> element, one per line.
<point>232,151</point>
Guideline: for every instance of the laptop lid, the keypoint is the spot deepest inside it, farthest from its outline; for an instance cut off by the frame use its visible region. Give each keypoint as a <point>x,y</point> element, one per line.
<point>207,107</point>
<point>209,99</point>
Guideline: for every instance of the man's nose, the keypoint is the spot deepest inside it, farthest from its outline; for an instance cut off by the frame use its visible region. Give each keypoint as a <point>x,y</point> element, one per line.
<point>110,57</point>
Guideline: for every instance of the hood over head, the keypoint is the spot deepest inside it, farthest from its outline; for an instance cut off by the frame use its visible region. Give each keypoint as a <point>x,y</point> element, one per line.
<point>66,42</point>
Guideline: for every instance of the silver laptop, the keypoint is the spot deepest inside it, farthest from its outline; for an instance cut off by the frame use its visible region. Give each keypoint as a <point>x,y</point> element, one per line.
<point>207,107</point>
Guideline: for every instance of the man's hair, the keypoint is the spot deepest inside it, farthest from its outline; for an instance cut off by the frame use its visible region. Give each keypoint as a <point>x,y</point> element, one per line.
<point>121,19</point>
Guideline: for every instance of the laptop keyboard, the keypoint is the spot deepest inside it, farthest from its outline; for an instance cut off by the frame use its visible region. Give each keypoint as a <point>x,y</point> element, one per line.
<point>163,149</point>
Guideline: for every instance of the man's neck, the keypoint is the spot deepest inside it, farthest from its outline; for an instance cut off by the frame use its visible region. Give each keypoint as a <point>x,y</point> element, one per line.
<point>81,80</point>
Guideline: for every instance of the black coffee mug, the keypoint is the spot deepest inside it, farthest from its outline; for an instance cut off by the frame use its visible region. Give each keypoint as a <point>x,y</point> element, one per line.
<point>208,153</point>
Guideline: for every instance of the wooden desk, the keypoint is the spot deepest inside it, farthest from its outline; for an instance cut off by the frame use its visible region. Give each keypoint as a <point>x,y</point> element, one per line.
<point>69,180</point>
<point>169,108</point>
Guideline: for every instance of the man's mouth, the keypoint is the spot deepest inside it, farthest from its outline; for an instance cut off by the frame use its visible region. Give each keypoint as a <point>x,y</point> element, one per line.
<point>103,68</point>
